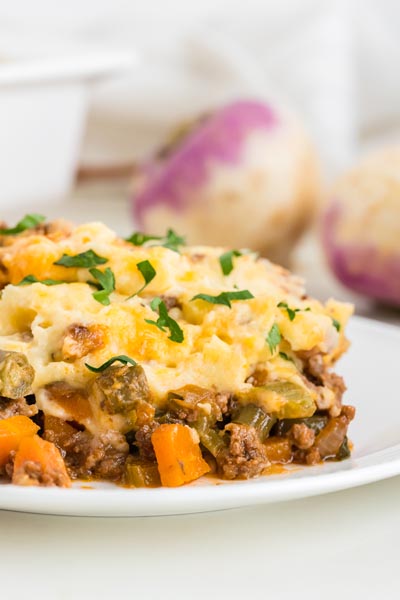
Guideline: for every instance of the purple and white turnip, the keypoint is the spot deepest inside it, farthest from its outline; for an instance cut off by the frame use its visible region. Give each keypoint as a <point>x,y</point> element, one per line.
<point>243,176</point>
<point>361,228</point>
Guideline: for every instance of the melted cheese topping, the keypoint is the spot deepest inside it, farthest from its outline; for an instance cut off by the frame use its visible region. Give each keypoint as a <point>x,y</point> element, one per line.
<point>222,346</point>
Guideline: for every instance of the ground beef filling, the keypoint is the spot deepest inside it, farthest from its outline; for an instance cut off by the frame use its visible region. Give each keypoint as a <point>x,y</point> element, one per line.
<point>34,474</point>
<point>13,407</point>
<point>310,447</point>
<point>245,457</point>
<point>237,448</point>
<point>318,376</point>
<point>89,456</point>
<point>143,440</point>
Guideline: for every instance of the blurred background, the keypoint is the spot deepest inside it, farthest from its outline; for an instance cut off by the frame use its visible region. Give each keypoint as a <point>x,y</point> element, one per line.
<point>268,125</point>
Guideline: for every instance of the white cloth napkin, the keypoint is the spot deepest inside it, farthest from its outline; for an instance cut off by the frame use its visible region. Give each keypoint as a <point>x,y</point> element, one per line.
<point>334,63</point>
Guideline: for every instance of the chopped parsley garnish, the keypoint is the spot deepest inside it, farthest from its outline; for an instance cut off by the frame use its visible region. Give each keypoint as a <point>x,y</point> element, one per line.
<point>224,298</point>
<point>285,356</point>
<point>138,238</point>
<point>33,279</point>
<point>171,240</point>
<point>336,324</point>
<point>290,311</point>
<point>28,222</point>
<point>122,358</point>
<point>148,272</point>
<point>165,321</point>
<point>84,260</point>
<point>106,285</point>
<point>273,337</point>
<point>226,261</point>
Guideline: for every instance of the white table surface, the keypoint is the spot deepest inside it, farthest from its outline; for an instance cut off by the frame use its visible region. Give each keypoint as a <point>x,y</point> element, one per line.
<point>339,546</point>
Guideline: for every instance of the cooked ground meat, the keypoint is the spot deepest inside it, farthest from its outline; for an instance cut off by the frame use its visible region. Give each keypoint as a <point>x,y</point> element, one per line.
<point>349,412</point>
<point>317,369</point>
<point>317,375</point>
<point>335,383</point>
<point>328,441</point>
<point>222,400</point>
<point>107,455</point>
<point>11,408</point>
<point>143,440</point>
<point>302,436</point>
<point>246,456</point>
<point>7,468</point>
<point>102,456</point>
<point>33,473</point>
<point>312,457</point>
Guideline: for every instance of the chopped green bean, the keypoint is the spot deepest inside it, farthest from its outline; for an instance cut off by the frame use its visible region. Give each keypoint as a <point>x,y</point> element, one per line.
<point>283,399</point>
<point>209,437</point>
<point>120,389</point>
<point>253,415</point>
<point>141,474</point>
<point>16,375</point>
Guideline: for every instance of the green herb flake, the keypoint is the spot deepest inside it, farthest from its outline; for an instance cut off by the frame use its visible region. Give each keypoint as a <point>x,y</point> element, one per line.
<point>290,311</point>
<point>28,222</point>
<point>155,303</point>
<point>226,261</point>
<point>84,260</point>
<point>171,240</point>
<point>138,238</point>
<point>148,272</point>
<point>33,279</point>
<point>285,356</point>
<point>225,298</point>
<point>164,321</point>
<point>122,358</point>
<point>274,337</point>
<point>336,324</point>
<point>106,284</point>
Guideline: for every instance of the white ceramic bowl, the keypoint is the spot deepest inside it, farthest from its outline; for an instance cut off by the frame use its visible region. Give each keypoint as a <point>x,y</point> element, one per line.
<point>44,94</point>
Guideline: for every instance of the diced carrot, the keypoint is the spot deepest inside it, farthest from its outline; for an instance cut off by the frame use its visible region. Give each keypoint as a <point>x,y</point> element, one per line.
<point>38,462</point>
<point>178,455</point>
<point>12,431</point>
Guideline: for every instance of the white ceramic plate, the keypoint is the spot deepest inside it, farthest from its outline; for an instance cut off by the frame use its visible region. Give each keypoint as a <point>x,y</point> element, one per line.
<point>371,370</point>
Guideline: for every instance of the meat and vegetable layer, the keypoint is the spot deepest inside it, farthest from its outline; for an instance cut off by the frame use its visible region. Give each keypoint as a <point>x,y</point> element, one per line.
<point>146,362</point>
